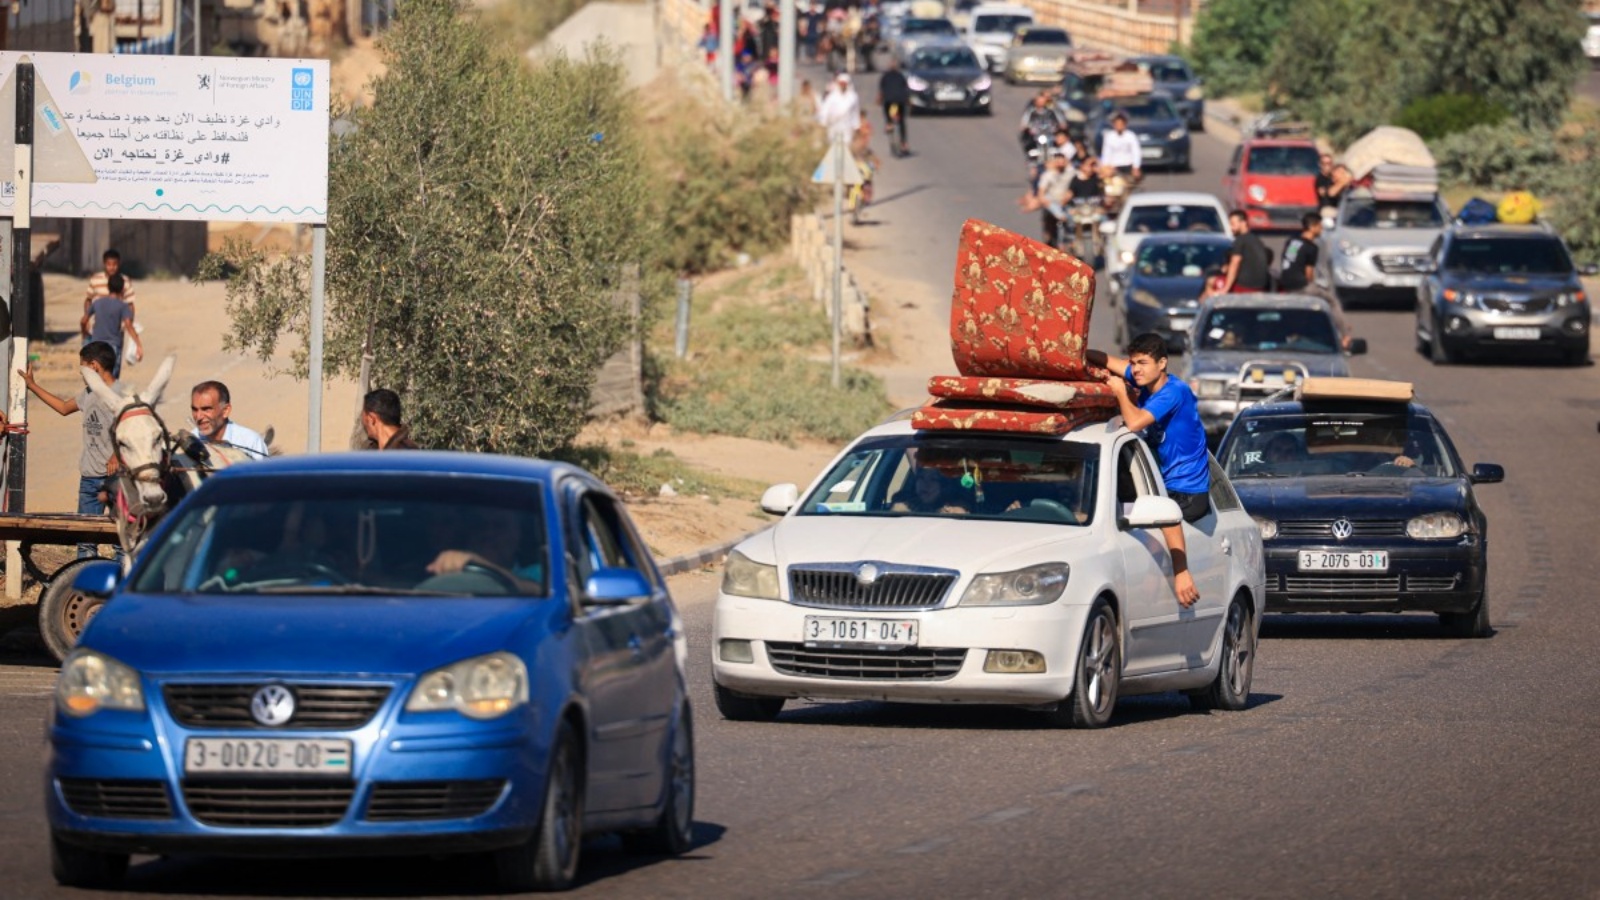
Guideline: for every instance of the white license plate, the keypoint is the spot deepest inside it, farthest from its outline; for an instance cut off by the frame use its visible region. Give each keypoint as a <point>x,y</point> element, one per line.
<point>949,94</point>
<point>1516,334</point>
<point>268,756</point>
<point>1151,152</point>
<point>1395,281</point>
<point>1180,325</point>
<point>828,631</point>
<point>1344,560</point>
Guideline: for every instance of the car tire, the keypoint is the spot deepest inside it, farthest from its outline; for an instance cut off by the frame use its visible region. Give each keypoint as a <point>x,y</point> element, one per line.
<point>739,708</point>
<point>1471,624</point>
<point>64,612</point>
<point>673,832</point>
<point>1097,672</point>
<point>549,860</point>
<point>1576,356</point>
<point>1231,688</point>
<point>1437,351</point>
<point>81,867</point>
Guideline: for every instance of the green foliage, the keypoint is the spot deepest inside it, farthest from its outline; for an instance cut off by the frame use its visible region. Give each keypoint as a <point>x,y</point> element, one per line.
<point>1439,115</point>
<point>1345,65</point>
<point>1233,41</point>
<point>1503,157</point>
<point>480,217</point>
<point>519,24</point>
<point>1524,55</point>
<point>1573,194</point>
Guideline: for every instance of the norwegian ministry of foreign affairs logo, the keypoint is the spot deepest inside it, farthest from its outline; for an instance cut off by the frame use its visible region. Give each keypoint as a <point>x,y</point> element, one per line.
<point>272,705</point>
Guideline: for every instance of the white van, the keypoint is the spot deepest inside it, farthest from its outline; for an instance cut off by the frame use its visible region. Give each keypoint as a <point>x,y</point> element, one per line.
<point>989,31</point>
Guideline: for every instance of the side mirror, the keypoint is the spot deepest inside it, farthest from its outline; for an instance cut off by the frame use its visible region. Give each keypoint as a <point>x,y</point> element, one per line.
<point>1153,512</point>
<point>1589,270</point>
<point>615,587</point>
<point>779,499</point>
<point>1358,346</point>
<point>1488,473</point>
<point>97,579</point>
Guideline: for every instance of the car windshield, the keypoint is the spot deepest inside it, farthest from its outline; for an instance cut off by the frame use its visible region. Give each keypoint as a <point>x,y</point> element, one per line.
<point>1365,212</point>
<point>943,58</point>
<point>1509,256</point>
<point>967,477</point>
<point>928,26</point>
<point>1174,217</point>
<point>1046,36</point>
<point>1284,160</point>
<point>1293,330</point>
<point>361,534</point>
<point>1400,444</point>
<point>1174,260</point>
<point>1168,72</point>
<point>1144,109</point>
<point>1006,24</point>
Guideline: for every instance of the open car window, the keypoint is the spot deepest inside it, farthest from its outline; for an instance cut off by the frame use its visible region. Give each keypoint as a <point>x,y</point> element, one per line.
<point>1340,443</point>
<point>971,477</point>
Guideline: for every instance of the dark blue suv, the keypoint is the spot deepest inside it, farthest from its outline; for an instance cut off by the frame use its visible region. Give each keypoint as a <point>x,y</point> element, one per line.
<point>1502,287</point>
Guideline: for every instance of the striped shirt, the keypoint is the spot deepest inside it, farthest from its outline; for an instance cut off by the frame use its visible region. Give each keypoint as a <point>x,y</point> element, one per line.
<point>98,287</point>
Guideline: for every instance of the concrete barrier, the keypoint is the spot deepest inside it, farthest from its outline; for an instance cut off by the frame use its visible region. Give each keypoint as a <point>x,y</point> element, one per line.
<point>811,245</point>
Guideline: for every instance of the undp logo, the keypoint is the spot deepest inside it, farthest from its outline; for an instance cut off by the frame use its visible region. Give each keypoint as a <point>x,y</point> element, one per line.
<point>78,82</point>
<point>300,93</point>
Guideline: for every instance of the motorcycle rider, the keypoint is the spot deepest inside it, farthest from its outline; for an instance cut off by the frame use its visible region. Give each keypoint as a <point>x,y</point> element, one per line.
<point>1040,119</point>
<point>1051,196</point>
<point>1119,147</point>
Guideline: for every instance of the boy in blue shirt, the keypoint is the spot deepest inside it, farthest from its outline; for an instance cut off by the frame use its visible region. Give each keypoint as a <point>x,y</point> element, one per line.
<point>110,319</point>
<point>1165,410</point>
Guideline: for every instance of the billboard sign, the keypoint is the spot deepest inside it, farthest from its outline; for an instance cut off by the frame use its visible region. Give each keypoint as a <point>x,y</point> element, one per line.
<point>173,137</point>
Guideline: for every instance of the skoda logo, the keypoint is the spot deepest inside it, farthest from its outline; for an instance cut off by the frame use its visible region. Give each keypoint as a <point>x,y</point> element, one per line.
<point>867,574</point>
<point>1342,529</point>
<point>272,705</point>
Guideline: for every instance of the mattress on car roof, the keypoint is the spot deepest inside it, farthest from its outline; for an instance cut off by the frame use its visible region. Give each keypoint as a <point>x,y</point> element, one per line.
<point>957,415</point>
<point>1030,392</point>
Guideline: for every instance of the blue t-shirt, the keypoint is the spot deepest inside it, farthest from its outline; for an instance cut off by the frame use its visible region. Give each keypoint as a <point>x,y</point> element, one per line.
<point>1176,436</point>
<point>109,315</point>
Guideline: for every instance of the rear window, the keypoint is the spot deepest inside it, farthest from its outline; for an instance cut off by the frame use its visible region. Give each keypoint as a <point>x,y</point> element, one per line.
<point>1151,219</point>
<point>1168,72</point>
<point>1283,161</point>
<point>1509,256</point>
<point>1046,36</point>
<point>1369,213</point>
<point>1005,24</point>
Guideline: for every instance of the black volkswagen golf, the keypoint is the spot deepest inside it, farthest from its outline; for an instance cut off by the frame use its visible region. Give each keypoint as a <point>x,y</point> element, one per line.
<point>1363,503</point>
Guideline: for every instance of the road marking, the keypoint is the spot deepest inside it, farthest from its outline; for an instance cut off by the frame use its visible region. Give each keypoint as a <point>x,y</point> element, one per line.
<point>927,846</point>
<point>1004,815</point>
<point>837,877</point>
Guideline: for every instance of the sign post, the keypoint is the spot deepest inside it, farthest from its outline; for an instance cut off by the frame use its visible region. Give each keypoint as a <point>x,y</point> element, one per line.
<point>834,168</point>
<point>16,450</point>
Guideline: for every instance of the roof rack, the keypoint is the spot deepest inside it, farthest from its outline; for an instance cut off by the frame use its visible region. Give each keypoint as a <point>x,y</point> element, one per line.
<point>1372,389</point>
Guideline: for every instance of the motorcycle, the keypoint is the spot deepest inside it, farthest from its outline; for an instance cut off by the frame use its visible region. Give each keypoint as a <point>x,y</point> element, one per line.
<point>1036,148</point>
<point>1085,216</point>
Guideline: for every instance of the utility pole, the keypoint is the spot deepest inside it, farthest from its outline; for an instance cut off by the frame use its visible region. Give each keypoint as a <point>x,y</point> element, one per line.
<point>16,446</point>
<point>787,22</point>
<point>725,47</point>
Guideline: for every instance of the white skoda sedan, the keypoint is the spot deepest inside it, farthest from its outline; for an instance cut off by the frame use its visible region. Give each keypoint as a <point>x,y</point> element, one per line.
<point>997,568</point>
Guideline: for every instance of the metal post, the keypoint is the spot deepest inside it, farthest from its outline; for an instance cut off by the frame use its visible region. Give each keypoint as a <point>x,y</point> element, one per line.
<point>725,23</point>
<point>16,467</point>
<point>839,151</point>
<point>319,268</point>
<point>197,50</point>
<point>685,293</point>
<point>787,22</point>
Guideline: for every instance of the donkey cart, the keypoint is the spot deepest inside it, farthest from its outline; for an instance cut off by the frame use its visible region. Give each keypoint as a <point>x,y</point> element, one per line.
<point>63,612</point>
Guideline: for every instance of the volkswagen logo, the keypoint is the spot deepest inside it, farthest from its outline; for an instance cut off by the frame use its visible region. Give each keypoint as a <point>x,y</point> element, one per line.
<point>1342,529</point>
<point>272,705</point>
<point>867,574</point>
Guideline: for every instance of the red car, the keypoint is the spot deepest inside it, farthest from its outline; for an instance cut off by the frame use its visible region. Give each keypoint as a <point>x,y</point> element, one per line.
<point>1273,179</point>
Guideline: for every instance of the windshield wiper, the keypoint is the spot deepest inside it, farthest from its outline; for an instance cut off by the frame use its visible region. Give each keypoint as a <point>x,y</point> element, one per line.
<point>364,590</point>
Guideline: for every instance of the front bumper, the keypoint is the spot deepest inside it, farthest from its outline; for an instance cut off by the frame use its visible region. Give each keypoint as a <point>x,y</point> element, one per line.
<point>955,98</point>
<point>1036,72</point>
<point>1422,577</point>
<point>962,637</point>
<point>1369,271</point>
<point>1564,329</point>
<point>1165,152</point>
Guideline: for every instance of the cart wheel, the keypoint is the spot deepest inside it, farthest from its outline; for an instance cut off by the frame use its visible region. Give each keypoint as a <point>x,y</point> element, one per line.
<point>63,612</point>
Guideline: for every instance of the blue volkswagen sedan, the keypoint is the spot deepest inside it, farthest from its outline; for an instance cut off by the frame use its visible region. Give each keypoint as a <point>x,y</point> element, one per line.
<point>384,654</point>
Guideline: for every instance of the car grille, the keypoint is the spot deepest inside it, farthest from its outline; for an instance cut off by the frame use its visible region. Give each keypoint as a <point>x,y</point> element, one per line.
<point>1432,584</point>
<point>908,664</point>
<point>1359,528</point>
<point>1343,584</point>
<point>841,588</point>
<point>268,804</point>
<point>403,801</point>
<point>327,706</point>
<point>1401,264</point>
<point>1516,304</point>
<point>116,799</point>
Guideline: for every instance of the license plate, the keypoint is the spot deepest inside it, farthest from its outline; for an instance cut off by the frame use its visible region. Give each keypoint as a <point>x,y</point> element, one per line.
<point>827,631</point>
<point>1402,280</point>
<point>1151,152</point>
<point>949,94</point>
<point>1180,324</point>
<point>1516,334</point>
<point>1344,561</point>
<point>268,756</point>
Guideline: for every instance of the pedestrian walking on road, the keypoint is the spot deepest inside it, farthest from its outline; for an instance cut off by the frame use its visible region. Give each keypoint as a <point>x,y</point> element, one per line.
<point>100,282</point>
<point>894,95</point>
<point>380,419</point>
<point>840,114</point>
<point>211,405</point>
<point>95,462</point>
<point>110,319</point>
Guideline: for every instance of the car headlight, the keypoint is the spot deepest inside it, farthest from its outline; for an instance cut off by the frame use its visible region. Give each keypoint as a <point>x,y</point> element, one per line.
<point>1208,388</point>
<point>982,84</point>
<point>484,687</point>
<point>1348,249</point>
<point>915,83</point>
<point>1570,298</point>
<point>1145,298</point>
<point>1177,134</point>
<point>1195,93</point>
<point>742,577</point>
<point>1436,527</point>
<point>1269,528</point>
<point>1257,193</point>
<point>90,682</point>
<point>1126,256</point>
<point>1033,586</point>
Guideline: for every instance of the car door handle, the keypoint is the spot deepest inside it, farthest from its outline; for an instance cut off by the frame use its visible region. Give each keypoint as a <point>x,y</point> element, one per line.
<point>1227,547</point>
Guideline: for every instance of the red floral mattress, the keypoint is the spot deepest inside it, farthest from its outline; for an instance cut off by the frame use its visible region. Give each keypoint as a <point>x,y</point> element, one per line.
<point>955,415</point>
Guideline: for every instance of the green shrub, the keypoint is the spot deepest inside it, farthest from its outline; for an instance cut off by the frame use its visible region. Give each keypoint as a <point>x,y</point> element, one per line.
<point>1233,41</point>
<point>1445,114</point>
<point>775,398</point>
<point>1501,157</point>
<point>1573,196</point>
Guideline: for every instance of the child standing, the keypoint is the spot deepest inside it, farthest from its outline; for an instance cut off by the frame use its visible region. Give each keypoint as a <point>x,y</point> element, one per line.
<point>110,319</point>
<point>95,462</point>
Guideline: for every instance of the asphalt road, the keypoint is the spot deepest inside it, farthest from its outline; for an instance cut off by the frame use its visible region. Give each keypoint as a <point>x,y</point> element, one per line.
<point>1377,759</point>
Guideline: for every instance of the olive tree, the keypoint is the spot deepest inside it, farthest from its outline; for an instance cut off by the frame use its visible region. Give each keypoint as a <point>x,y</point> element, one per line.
<point>480,215</point>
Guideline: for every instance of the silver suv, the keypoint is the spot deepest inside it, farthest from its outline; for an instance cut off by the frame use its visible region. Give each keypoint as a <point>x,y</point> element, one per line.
<point>1379,242</point>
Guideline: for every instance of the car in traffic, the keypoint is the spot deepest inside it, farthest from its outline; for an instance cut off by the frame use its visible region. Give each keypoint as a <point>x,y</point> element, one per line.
<point>1273,179</point>
<point>946,77</point>
<point>1174,77</point>
<point>1591,38</point>
<point>1037,54</point>
<point>1162,286</point>
<point>1160,212</point>
<point>1245,347</point>
<point>960,13</point>
<point>1363,503</point>
<point>390,653</point>
<point>974,567</point>
<point>1503,287</point>
<point>917,32</point>
<point>991,28</point>
<point>1378,244</point>
<point>1163,135</point>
